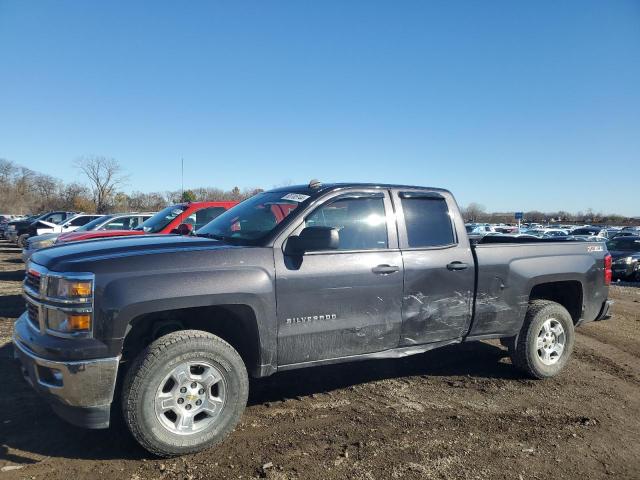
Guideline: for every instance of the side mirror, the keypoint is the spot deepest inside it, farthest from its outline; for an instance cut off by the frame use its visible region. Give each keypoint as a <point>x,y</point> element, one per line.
<point>183,229</point>
<point>313,239</point>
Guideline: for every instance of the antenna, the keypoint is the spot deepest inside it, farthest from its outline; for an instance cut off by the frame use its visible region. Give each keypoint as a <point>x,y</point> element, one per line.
<point>182,180</point>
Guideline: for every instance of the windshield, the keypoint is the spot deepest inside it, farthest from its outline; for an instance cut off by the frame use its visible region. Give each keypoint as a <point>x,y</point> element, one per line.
<point>93,223</point>
<point>624,244</point>
<point>253,219</point>
<point>161,219</point>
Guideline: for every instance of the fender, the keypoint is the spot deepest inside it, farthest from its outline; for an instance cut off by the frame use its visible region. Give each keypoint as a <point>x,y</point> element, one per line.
<point>129,297</point>
<point>505,284</point>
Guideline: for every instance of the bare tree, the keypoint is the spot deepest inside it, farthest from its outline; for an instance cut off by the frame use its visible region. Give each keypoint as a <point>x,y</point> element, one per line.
<point>75,196</point>
<point>47,190</point>
<point>7,170</point>
<point>105,175</point>
<point>474,212</point>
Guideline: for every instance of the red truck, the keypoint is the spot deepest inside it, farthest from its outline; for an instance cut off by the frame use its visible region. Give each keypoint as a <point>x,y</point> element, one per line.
<point>179,218</point>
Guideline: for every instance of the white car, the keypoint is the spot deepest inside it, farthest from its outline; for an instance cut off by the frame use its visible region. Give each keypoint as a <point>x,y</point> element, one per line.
<point>555,232</point>
<point>67,226</point>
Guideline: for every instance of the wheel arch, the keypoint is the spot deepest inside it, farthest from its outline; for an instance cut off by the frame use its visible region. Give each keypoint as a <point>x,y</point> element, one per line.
<point>568,293</point>
<point>236,323</point>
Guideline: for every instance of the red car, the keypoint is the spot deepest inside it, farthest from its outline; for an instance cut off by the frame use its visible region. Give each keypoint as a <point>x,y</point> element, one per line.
<point>194,214</point>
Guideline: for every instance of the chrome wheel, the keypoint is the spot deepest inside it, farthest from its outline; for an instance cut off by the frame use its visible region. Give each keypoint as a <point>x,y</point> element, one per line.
<point>190,398</point>
<point>550,341</point>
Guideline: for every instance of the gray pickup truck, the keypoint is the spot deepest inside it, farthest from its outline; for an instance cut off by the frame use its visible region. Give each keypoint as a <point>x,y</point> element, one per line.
<point>171,327</point>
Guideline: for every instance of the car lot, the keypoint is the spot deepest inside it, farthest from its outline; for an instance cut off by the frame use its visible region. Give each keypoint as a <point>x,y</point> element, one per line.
<point>460,412</point>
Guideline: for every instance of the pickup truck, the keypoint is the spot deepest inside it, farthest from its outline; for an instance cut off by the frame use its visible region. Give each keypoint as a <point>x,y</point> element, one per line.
<point>20,230</point>
<point>170,327</point>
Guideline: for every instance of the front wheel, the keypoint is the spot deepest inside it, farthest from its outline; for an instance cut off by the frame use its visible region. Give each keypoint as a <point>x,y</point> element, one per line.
<point>545,342</point>
<point>185,392</point>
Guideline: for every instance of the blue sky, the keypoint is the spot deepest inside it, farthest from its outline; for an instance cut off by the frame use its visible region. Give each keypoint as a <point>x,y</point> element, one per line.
<point>516,105</point>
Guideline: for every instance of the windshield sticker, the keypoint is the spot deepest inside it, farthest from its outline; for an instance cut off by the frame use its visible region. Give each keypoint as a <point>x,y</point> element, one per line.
<point>594,248</point>
<point>295,197</point>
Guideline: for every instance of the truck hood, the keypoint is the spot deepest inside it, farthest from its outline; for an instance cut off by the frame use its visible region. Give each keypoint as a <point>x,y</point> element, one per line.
<point>78,256</point>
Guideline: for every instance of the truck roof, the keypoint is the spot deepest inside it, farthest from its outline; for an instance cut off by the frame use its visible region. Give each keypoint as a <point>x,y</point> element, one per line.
<point>324,187</point>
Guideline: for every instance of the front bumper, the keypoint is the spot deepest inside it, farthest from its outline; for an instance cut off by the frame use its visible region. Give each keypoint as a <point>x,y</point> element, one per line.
<point>80,391</point>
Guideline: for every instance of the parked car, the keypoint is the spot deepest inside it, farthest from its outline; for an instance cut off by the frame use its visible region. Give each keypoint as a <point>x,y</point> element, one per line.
<point>69,225</point>
<point>476,229</point>
<point>191,215</point>
<point>119,221</point>
<point>554,232</point>
<point>505,228</point>
<point>4,222</point>
<point>10,232</point>
<point>625,252</point>
<point>624,233</point>
<point>290,278</point>
<point>587,232</point>
<point>23,229</point>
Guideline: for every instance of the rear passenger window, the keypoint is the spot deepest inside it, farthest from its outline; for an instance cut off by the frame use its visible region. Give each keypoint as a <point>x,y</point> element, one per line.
<point>428,222</point>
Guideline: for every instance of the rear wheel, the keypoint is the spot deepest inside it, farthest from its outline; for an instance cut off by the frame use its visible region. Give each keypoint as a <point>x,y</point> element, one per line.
<point>185,392</point>
<point>545,341</point>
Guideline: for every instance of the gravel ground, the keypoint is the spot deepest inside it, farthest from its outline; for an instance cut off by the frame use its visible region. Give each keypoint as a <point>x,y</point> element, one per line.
<point>458,412</point>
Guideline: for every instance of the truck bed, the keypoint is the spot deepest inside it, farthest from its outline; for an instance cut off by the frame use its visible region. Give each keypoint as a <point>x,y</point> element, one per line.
<point>512,270</point>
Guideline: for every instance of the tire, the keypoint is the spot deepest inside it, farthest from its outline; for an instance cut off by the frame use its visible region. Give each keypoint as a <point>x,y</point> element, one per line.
<point>550,359</point>
<point>204,365</point>
<point>22,240</point>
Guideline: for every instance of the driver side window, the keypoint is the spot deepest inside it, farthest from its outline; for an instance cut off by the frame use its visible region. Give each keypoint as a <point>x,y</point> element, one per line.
<point>361,222</point>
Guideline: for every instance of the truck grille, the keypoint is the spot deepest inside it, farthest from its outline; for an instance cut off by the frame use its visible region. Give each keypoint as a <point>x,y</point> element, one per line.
<point>32,280</point>
<point>32,312</point>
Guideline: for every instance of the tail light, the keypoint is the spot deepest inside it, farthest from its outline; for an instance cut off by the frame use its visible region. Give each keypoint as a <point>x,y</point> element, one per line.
<point>607,270</point>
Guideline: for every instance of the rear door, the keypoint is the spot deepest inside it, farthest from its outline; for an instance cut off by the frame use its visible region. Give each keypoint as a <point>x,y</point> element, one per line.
<point>344,302</point>
<point>438,267</point>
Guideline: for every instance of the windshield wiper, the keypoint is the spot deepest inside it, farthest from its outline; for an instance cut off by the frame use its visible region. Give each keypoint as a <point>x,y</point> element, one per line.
<point>214,236</point>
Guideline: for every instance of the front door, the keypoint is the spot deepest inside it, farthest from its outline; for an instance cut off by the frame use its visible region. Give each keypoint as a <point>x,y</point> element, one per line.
<point>343,302</point>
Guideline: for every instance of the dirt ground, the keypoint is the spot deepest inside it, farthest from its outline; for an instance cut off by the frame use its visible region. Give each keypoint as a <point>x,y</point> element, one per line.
<point>459,412</point>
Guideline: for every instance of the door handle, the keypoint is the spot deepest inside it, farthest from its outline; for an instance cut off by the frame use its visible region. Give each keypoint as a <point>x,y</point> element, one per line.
<point>457,266</point>
<point>385,269</point>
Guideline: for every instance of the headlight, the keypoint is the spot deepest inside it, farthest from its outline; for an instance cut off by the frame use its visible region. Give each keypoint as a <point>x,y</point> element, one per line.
<point>69,288</point>
<point>66,322</point>
<point>41,244</point>
<point>623,260</point>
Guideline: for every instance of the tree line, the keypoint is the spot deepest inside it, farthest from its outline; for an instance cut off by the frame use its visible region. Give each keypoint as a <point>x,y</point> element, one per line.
<point>23,190</point>
<point>476,213</point>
